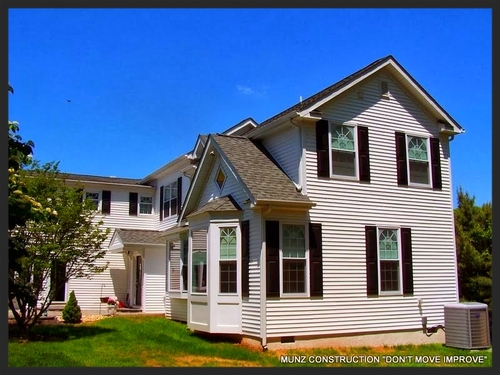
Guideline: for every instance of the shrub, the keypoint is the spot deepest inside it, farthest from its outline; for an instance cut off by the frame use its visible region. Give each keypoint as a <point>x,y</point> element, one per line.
<point>72,312</point>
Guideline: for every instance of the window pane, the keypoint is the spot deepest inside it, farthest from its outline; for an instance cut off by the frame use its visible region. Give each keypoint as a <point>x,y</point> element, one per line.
<point>146,205</point>
<point>227,243</point>
<point>184,262</point>
<point>228,276</point>
<point>294,242</point>
<point>388,244</point>
<point>343,138</point>
<point>94,198</point>
<point>389,276</point>
<point>419,172</point>
<point>343,163</point>
<point>294,271</point>
<point>417,149</point>
<point>199,261</point>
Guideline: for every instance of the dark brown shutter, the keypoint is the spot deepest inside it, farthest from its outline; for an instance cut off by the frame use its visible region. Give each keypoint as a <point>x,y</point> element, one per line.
<point>132,203</point>
<point>161,203</point>
<point>272,258</point>
<point>79,191</point>
<point>364,156</point>
<point>436,164</point>
<point>316,260</point>
<point>401,159</point>
<point>407,261</point>
<point>245,257</point>
<point>322,148</point>
<point>179,195</point>
<point>106,201</point>
<point>371,260</point>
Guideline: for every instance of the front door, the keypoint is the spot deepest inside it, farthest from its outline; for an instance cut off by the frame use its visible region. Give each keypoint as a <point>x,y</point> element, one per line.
<point>138,280</point>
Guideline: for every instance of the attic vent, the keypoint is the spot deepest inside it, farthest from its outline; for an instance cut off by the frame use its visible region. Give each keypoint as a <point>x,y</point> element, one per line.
<point>220,178</point>
<point>384,89</point>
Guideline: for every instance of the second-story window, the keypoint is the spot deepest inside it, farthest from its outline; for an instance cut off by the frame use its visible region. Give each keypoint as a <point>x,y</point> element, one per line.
<point>170,196</point>
<point>343,145</point>
<point>145,205</point>
<point>94,198</point>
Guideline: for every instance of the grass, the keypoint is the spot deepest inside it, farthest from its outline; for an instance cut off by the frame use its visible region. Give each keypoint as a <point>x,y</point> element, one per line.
<point>153,341</point>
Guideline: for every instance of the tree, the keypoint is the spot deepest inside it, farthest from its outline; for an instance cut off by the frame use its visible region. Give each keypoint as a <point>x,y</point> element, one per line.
<point>68,239</point>
<point>72,312</point>
<point>473,231</point>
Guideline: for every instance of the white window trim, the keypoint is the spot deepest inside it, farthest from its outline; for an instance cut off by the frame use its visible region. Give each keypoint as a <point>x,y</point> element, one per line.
<point>177,293</point>
<point>99,200</point>
<point>331,125</point>
<point>190,260</point>
<point>237,259</point>
<point>306,274</point>
<point>427,138</point>
<point>400,268</point>
<point>139,205</point>
<point>169,185</point>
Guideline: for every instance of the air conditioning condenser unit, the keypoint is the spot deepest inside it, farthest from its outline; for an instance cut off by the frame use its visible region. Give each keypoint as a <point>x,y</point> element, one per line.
<point>467,325</point>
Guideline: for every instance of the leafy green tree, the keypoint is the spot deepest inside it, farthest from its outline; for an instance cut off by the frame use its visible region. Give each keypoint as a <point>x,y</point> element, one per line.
<point>473,230</point>
<point>72,312</point>
<point>71,235</point>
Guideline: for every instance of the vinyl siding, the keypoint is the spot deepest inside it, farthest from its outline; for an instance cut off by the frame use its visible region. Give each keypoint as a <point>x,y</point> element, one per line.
<point>115,279</point>
<point>345,207</point>
<point>285,146</point>
<point>251,306</point>
<point>231,186</point>
<point>155,261</point>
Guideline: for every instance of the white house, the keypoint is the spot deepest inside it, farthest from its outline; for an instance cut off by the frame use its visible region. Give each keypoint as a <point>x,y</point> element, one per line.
<point>332,220</point>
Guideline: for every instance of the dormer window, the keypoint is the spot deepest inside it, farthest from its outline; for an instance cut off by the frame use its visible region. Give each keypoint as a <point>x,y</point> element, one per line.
<point>220,178</point>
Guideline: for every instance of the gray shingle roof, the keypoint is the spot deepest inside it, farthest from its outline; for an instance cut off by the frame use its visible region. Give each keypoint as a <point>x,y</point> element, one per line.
<point>255,166</point>
<point>86,177</point>
<point>226,203</point>
<point>137,236</point>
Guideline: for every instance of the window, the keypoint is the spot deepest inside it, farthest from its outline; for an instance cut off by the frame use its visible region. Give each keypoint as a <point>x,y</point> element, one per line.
<point>388,260</point>
<point>170,200</point>
<point>342,150</point>
<point>94,198</point>
<point>199,261</point>
<point>389,263</point>
<point>343,146</point>
<point>220,179</point>
<point>145,205</point>
<point>294,258</point>
<point>294,261</point>
<point>227,260</point>
<point>418,161</point>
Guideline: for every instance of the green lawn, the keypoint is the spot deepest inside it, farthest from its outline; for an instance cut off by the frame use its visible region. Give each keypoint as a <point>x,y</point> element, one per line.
<point>153,341</point>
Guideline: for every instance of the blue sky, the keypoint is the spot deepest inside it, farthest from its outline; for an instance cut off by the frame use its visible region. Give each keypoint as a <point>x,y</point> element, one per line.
<point>143,83</point>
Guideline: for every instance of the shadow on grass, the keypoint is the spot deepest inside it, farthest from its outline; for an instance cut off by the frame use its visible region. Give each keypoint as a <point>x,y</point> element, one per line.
<point>61,332</point>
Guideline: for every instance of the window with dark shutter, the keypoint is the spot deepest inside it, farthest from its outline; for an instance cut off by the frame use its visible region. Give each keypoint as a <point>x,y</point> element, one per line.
<point>371,260</point>
<point>401,159</point>
<point>106,202</point>
<point>323,159</point>
<point>179,195</point>
<point>245,258</point>
<point>161,203</point>
<point>316,260</point>
<point>436,164</point>
<point>272,259</point>
<point>132,203</point>
<point>364,155</point>
<point>407,260</point>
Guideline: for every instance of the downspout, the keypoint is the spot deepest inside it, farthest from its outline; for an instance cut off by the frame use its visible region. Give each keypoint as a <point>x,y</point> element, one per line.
<point>300,185</point>
<point>450,138</point>
<point>263,286</point>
